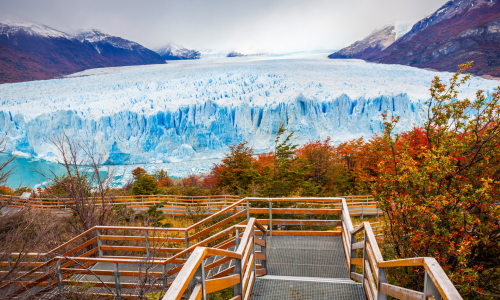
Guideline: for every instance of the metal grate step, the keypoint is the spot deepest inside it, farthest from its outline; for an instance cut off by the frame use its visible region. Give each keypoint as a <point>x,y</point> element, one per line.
<point>275,289</point>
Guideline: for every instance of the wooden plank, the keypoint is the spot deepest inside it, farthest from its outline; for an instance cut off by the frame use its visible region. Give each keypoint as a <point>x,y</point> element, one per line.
<point>307,233</point>
<point>141,238</point>
<point>250,286</point>
<point>302,222</point>
<point>109,272</point>
<point>373,242</point>
<point>372,260</point>
<point>160,229</point>
<point>358,228</point>
<point>347,250</point>
<point>357,261</point>
<point>140,249</point>
<point>216,214</point>
<point>157,261</point>
<point>246,236</point>
<point>182,280</point>
<point>248,273</point>
<point>111,284</point>
<point>368,292</point>
<point>440,279</point>
<point>407,262</point>
<point>369,276</point>
<point>261,272</point>
<point>401,293</point>
<point>303,211</point>
<point>260,256</point>
<point>358,245</point>
<point>220,252</point>
<point>247,254</point>
<point>215,285</point>
<point>260,242</point>
<point>357,277</point>
<point>197,293</point>
<point>217,225</point>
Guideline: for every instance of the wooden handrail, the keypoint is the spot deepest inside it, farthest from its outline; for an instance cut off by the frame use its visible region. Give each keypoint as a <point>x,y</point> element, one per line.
<point>373,261</point>
<point>245,277</point>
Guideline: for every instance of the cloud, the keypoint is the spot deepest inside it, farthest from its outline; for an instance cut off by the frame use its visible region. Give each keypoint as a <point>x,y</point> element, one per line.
<point>275,25</point>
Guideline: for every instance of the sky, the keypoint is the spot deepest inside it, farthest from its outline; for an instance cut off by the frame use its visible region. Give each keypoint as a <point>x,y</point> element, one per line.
<point>217,25</point>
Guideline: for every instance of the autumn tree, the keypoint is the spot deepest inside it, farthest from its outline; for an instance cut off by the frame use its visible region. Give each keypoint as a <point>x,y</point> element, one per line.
<point>327,169</point>
<point>288,173</point>
<point>235,174</point>
<point>441,198</point>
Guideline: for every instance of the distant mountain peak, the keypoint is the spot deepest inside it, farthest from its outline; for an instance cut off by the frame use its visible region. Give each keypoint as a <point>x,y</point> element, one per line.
<point>10,26</point>
<point>173,51</point>
<point>378,40</point>
<point>447,11</point>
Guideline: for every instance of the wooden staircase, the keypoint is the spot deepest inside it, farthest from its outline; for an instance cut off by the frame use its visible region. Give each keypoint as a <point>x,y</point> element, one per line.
<point>234,248</point>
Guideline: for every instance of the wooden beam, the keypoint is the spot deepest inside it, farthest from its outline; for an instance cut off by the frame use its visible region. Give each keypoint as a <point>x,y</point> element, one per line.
<point>215,285</point>
<point>407,262</point>
<point>400,293</point>
<point>182,280</point>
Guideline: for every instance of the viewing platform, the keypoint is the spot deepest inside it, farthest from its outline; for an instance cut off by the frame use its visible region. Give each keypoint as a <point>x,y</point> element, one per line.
<point>258,248</point>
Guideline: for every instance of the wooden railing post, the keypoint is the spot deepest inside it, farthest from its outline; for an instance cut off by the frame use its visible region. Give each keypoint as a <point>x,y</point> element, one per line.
<point>238,288</point>
<point>254,266</point>
<point>270,217</point>
<point>118,286</point>
<point>352,267</point>
<point>199,277</point>
<point>172,211</point>
<point>382,278</point>
<point>430,289</point>
<point>248,211</point>
<point>365,257</point>
<point>186,238</point>
<point>146,236</point>
<point>59,276</point>
<point>237,239</point>
<point>99,242</point>
<point>362,211</point>
<point>263,250</point>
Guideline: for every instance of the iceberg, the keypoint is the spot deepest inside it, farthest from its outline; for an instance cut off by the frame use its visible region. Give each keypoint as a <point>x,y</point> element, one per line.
<point>194,110</point>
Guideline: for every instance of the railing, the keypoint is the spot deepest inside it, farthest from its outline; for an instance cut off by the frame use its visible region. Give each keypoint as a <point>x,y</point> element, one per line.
<point>192,275</point>
<point>437,285</point>
<point>187,250</point>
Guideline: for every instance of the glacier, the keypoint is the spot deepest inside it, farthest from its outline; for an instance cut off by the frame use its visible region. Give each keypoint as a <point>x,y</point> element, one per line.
<point>193,110</point>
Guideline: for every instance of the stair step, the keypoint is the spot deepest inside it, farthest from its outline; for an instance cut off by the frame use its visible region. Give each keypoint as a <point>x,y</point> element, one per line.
<point>273,289</point>
<point>309,279</point>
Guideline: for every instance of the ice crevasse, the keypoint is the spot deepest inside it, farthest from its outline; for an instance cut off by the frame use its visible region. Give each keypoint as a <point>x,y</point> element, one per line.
<point>181,111</point>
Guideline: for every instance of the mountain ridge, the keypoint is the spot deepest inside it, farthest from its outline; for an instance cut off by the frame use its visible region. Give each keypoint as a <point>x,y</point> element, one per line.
<point>31,51</point>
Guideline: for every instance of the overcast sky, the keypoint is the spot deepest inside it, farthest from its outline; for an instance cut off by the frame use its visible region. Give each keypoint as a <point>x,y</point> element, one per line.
<point>276,25</point>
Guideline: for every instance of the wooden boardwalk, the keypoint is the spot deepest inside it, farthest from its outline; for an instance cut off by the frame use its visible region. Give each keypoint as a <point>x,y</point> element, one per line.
<point>260,248</point>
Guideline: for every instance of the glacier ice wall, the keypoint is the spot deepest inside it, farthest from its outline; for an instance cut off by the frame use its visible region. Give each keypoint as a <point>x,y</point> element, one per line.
<point>181,111</point>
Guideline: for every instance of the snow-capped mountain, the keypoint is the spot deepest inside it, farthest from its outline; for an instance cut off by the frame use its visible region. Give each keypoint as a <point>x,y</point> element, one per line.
<point>377,41</point>
<point>167,113</point>
<point>117,50</point>
<point>176,52</point>
<point>449,10</point>
<point>30,51</point>
<point>12,28</point>
<point>459,32</point>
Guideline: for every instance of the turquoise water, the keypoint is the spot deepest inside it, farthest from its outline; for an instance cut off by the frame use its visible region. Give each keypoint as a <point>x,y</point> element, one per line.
<point>25,175</point>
